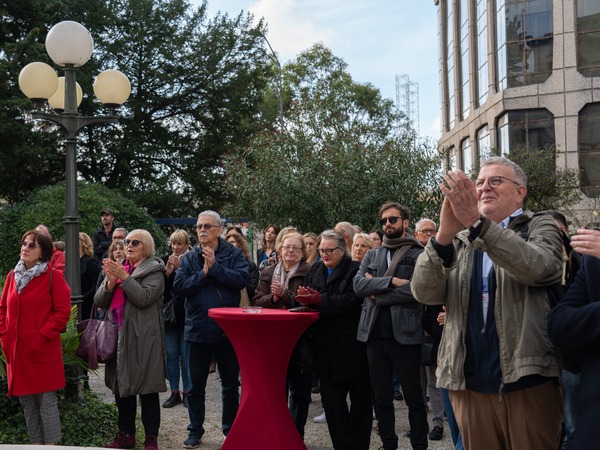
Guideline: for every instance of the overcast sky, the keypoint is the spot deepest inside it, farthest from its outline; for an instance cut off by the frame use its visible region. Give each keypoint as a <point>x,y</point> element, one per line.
<point>378,39</point>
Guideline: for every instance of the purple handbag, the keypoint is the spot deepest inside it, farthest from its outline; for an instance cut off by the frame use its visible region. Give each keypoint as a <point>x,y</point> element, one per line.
<point>98,341</point>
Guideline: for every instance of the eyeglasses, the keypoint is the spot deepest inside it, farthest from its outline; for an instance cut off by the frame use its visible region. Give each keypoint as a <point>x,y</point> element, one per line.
<point>391,220</point>
<point>291,248</point>
<point>426,231</point>
<point>494,182</point>
<point>327,251</point>
<point>134,242</point>
<point>29,245</point>
<point>206,226</point>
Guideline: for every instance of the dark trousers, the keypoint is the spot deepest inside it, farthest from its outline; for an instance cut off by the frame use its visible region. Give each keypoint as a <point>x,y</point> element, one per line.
<point>350,429</point>
<point>299,382</point>
<point>200,358</point>
<point>127,406</point>
<point>385,354</point>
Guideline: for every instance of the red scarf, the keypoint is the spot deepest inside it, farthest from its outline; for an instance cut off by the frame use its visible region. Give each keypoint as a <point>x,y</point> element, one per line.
<point>117,305</point>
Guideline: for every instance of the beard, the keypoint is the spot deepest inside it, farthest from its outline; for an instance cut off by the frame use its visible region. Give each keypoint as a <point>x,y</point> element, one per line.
<point>396,233</point>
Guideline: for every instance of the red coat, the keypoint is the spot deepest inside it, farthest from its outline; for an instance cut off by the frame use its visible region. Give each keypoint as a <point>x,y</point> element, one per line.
<point>30,327</point>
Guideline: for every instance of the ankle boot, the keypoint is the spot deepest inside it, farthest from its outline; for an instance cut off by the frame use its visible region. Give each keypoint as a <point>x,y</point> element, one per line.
<point>122,440</point>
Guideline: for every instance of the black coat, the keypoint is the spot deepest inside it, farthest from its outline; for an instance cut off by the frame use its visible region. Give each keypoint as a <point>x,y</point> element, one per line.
<point>338,355</point>
<point>574,322</point>
<point>89,270</point>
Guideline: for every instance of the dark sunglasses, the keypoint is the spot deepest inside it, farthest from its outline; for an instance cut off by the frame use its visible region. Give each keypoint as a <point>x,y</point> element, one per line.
<point>29,245</point>
<point>134,242</point>
<point>391,220</point>
<point>206,226</point>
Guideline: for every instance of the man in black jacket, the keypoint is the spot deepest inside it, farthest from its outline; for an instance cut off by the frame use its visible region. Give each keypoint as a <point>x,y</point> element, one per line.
<point>102,237</point>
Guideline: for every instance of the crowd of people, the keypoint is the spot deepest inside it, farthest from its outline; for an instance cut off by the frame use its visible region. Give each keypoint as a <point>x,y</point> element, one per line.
<point>459,316</point>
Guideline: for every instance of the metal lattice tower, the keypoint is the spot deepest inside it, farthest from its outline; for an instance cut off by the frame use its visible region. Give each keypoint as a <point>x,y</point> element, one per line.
<point>407,99</point>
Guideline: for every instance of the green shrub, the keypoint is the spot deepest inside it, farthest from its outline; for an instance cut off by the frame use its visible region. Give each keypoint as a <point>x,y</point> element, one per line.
<point>47,205</point>
<point>88,423</point>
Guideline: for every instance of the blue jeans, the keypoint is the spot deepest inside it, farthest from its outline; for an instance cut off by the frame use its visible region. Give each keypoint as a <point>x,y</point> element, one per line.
<point>454,431</point>
<point>201,356</point>
<point>177,349</point>
<point>570,385</point>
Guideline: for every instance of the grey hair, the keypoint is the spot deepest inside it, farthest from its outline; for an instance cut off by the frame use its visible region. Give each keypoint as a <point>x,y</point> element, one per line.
<point>213,214</point>
<point>346,229</point>
<point>121,229</point>
<point>418,224</point>
<point>502,161</point>
<point>335,236</point>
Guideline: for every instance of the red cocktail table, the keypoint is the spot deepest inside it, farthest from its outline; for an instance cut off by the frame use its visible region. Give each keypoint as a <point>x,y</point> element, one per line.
<point>263,343</point>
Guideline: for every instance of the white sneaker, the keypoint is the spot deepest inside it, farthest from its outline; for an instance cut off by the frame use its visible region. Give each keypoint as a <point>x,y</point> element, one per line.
<point>320,419</point>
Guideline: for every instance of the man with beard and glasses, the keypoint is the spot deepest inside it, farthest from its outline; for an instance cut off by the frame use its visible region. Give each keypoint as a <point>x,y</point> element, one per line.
<point>390,324</point>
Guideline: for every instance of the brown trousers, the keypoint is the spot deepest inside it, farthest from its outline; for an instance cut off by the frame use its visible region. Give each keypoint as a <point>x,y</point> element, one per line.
<point>527,419</point>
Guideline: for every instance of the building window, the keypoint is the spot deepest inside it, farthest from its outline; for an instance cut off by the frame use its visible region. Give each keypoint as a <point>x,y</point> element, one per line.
<point>532,129</point>
<point>482,57</point>
<point>465,99</point>
<point>589,149</point>
<point>450,64</point>
<point>466,158</point>
<point>483,143</point>
<point>588,37</point>
<point>451,162</point>
<point>524,39</point>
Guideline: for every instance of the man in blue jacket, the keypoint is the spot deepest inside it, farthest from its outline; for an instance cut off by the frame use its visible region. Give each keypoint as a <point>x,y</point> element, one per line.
<point>210,276</point>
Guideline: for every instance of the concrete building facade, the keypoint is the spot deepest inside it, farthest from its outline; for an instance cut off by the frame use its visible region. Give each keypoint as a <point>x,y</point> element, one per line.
<point>521,72</point>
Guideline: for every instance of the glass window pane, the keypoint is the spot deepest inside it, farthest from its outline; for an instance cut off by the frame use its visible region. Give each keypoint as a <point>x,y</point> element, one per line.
<point>588,55</point>
<point>589,149</point>
<point>466,157</point>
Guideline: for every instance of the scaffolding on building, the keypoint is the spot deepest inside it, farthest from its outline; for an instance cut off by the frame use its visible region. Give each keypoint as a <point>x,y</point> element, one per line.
<point>407,99</point>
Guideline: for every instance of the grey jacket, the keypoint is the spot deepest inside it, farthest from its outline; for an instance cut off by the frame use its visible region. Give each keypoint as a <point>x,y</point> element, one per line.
<point>523,269</point>
<point>140,364</point>
<point>406,312</point>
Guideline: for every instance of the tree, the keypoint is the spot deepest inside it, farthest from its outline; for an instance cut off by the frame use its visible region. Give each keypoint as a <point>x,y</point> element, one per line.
<point>197,87</point>
<point>47,206</point>
<point>548,187</point>
<point>344,152</point>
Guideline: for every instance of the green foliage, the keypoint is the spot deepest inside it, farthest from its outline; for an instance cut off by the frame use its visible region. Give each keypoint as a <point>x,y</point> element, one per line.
<point>197,89</point>
<point>47,206</point>
<point>70,341</point>
<point>344,152</point>
<point>89,423</point>
<point>547,186</point>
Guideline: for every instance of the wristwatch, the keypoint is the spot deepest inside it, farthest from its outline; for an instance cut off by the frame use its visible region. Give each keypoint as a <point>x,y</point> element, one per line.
<point>475,228</point>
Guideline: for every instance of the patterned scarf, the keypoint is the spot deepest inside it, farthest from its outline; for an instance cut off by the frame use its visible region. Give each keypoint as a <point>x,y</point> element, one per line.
<point>23,275</point>
<point>282,276</point>
<point>117,305</point>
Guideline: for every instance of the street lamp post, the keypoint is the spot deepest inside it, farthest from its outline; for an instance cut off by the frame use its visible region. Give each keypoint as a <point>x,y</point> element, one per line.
<point>274,58</point>
<point>70,45</point>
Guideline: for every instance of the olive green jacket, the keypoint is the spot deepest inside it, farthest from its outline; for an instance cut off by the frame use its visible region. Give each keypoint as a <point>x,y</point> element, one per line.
<point>523,269</point>
<point>140,364</point>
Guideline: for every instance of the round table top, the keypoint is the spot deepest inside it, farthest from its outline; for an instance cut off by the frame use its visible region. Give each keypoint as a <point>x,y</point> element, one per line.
<point>260,314</point>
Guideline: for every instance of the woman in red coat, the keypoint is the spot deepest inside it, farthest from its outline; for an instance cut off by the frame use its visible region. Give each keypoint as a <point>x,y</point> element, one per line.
<point>34,309</point>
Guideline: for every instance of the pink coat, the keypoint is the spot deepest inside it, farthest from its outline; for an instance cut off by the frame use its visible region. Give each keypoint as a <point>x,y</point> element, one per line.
<point>30,327</point>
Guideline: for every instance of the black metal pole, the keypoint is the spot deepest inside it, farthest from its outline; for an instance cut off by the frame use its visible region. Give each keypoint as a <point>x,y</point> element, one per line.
<point>72,122</point>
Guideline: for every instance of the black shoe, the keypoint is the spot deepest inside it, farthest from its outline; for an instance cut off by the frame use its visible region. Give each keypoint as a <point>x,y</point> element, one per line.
<point>398,396</point>
<point>436,434</point>
<point>185,401</point>
<point>174,399</point>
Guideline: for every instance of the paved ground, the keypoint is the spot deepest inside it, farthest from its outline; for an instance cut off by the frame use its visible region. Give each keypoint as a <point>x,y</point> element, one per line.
<point>174,422</point>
